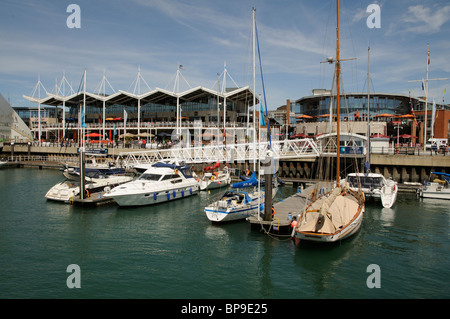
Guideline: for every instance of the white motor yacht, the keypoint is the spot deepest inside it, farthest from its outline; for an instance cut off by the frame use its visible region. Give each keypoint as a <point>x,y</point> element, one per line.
<point>68,189</point>
<point>375,186</point>
<point>161,182</point>
<point>438,188</point>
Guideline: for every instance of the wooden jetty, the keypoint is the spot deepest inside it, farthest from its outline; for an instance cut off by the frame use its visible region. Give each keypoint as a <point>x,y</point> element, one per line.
<point>95,199</point>
<point>280,225</point>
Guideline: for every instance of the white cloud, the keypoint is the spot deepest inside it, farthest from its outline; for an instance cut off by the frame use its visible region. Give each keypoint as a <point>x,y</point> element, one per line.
<point>422,19</point>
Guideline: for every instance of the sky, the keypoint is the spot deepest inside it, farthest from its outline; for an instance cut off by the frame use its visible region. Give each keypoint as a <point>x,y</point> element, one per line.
<point>117,38</point>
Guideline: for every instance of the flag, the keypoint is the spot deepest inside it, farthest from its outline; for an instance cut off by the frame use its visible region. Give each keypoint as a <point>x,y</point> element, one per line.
<point>83,123</point>
<point>125,117</point>
<point>261,116</point>
<point>411,106</point>
<point>115,130</point>
<point>422,86</point>
<point>180,66</point>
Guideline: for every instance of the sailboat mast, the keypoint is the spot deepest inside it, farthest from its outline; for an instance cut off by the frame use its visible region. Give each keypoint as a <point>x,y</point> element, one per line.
<point>368,104</point>
<point>338,129</point>
<point>254,87</point>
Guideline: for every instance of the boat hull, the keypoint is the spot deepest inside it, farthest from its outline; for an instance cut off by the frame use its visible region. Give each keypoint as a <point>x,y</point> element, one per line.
<point>434,194</point>
<point>389,195</point>
<point>149,198</point>
<point>350,230</point>
<point>67,190</point>
<point>218,215</point>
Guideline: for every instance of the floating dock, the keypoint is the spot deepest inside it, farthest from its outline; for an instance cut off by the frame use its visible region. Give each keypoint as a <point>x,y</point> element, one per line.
<point>280,225</point>
<point>95,199</point>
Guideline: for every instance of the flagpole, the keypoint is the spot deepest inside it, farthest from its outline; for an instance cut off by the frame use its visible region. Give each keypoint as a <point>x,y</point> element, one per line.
<point>426,101</point>
<point>426,97</point>
<point>84,108</point>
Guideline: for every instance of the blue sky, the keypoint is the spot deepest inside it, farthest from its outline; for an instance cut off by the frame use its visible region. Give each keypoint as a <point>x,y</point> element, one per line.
<point>118,37</point>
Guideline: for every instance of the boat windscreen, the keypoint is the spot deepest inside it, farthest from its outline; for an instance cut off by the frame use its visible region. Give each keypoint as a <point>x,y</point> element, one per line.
<point>150,177</point>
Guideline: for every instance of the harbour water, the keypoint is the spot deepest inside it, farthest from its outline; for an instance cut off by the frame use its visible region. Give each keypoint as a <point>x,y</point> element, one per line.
<point>171,250</point>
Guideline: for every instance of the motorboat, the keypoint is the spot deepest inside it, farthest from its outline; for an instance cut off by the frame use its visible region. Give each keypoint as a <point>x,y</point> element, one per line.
<point>438,188</point>
<point>389,193</point>
<point>163,181</point>
<point>236,204</point>
<point>68,189</point>
<point>215,179</point>
<point>374,186</point>
<point>3,163</point>
<point>93,165</point>
<point>73,173</point>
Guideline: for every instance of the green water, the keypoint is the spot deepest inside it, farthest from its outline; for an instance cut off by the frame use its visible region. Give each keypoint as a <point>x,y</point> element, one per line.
<point>172,251</point>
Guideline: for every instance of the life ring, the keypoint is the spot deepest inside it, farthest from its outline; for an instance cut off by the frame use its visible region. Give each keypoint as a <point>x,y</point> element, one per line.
<point>87,193</point>
<point>273,211</point>
<point>212,179</point>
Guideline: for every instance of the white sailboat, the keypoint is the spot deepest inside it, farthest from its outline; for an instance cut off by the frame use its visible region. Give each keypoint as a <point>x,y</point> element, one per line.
<point>239,204</point>
<point>236,204</point>
<point>337,214</point>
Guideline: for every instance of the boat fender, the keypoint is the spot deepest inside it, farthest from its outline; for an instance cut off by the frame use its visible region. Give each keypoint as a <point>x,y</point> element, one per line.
<point>87,193</point>
<point>175,171</point>
<point>168,196</point>
<point>273,211</point>
<point>190,190</point>
<point>107,189</point>
<point>182,193</point>
<point>212,178</point>
<point>174,194</point>
<point>155,196</point>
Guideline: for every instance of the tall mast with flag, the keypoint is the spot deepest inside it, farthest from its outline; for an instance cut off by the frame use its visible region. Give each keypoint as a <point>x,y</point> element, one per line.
<point>426,97</point>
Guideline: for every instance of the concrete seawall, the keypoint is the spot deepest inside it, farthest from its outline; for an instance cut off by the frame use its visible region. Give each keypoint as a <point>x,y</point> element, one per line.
<point>402,168</point>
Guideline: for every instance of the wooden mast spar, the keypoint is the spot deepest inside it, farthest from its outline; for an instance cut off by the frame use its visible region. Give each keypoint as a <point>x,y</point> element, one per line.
<point>338,128</point>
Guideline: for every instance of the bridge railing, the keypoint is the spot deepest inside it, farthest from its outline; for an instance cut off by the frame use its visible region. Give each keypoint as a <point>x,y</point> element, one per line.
<point>226,153</point>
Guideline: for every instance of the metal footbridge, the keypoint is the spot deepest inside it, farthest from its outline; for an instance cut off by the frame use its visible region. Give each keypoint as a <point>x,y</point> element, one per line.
<point>285,149</point>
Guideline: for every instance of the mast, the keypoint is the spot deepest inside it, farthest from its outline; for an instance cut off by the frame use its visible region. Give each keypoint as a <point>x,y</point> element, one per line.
<point>368,104</point>
<point>254,88</point>
<point>426,101</point>
<point>338,133</point>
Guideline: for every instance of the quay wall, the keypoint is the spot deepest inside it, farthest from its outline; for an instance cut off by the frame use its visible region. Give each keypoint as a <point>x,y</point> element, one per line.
<point>401,167</point>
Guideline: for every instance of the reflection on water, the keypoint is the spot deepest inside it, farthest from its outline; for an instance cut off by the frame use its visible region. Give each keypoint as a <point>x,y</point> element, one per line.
<point>172,250</point>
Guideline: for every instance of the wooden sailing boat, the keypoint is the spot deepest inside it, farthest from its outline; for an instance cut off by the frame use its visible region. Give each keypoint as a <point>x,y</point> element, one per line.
<point>337,214</point>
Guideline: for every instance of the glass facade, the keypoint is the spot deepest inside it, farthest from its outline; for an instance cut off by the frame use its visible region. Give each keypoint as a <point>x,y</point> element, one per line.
<point>351,103</point>
<point>206,104</point>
